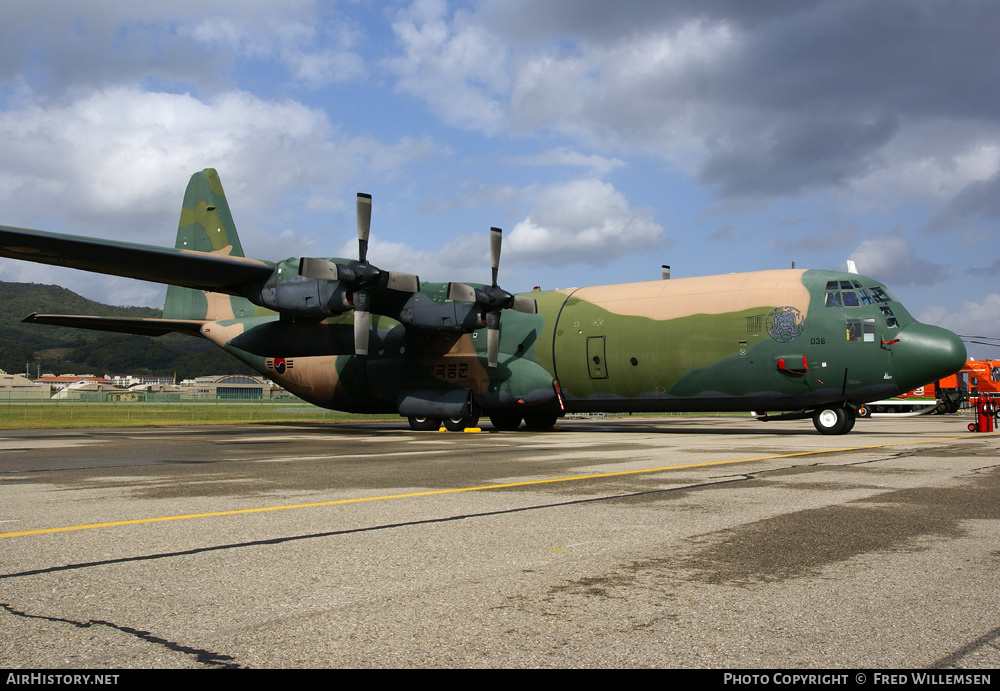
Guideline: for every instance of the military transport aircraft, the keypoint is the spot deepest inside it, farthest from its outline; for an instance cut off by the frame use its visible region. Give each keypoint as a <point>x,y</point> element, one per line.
<point>346,335</point>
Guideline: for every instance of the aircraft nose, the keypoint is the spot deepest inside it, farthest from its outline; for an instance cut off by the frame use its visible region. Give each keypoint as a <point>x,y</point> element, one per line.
<point>924,354</point>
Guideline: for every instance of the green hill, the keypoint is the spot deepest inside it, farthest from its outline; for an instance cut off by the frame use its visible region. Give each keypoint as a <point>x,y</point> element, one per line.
<point>62,350</point>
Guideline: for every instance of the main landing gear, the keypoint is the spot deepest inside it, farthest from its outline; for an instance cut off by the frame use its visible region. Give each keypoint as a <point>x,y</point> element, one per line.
<point>433,424</point>
<point>510,420</point>
<point>835,420</point>
<point>502,420</point>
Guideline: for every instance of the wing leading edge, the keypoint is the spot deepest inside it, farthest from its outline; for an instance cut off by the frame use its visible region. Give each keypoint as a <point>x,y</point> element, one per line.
<point>215,272</point>
<point>142,327</point>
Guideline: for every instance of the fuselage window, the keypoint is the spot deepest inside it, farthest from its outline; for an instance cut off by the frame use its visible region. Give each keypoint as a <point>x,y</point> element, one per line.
<point>833,299</point>
<point>850,299</point>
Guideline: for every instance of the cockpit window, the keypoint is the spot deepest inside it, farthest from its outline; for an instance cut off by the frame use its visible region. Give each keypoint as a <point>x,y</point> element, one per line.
<point>852,294</point>
<point>882,295</point>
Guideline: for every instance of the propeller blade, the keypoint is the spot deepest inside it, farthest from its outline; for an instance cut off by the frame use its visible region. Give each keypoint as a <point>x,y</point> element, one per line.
<point>492,346</point>
<point>496,238</point>
<point>492,337</point>
<point>362,322</point>
<point>364,212</point>
<point>320,269</point>
<point>459,292</point>
<point>525,305</point>
<point>404,282</point>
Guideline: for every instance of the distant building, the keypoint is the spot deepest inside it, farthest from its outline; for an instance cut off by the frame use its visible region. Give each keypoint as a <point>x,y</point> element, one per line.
<point>15,387</point>
<point>92,388</point>
<point>87,387</point>
<point>63,380</point>
<point>233,387</point>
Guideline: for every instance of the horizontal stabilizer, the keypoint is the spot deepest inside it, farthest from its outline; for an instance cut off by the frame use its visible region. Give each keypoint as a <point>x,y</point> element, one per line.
<point>142,327</point>
<point>215,272</point>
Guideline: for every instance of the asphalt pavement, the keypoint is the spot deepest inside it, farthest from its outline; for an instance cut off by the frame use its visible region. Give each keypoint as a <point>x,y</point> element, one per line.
<point>637,542</point>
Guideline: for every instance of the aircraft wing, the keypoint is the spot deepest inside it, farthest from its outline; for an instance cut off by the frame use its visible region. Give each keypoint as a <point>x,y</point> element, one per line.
<point>217,273</point>
<point>142,327</point>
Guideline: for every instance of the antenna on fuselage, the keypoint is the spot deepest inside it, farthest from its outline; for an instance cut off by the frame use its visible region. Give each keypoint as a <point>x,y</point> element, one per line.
<point>665,272</point>
<point>852,268</point>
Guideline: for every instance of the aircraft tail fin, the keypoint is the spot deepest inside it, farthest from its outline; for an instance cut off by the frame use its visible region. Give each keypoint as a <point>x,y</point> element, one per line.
<point>206,225</point>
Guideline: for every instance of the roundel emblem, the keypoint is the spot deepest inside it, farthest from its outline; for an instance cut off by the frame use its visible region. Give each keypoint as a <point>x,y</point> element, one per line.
<point>784,324</point>
<point>279,365</point>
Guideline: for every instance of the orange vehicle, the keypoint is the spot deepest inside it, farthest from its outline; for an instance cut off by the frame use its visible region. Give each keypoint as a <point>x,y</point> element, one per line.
<point>977,378</point>
<point>983,378</point>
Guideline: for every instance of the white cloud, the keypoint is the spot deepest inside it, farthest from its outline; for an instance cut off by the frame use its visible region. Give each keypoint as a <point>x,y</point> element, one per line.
<point>458,67</point>
<point>893,260</point>
<point>583,221</point>
<point>316,53</point>
<point>931,160</point>
<point>126,151</point>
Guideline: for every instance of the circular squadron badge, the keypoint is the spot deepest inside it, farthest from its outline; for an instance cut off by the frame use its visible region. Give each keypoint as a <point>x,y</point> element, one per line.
<point>784,324</point>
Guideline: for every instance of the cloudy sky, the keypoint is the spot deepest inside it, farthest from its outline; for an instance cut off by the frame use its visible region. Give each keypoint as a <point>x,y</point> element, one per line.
<point>604,138</point>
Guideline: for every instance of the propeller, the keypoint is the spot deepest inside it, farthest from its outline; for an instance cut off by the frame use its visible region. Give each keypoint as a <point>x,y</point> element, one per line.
<point>492,299</point>
<point>364,279</point>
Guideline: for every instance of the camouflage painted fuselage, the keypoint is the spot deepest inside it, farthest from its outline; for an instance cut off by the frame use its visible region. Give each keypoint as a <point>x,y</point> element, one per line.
<point>753,341</point>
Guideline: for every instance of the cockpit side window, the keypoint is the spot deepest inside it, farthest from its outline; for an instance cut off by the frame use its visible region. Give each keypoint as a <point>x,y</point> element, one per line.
<point>861,330</point>
<point>881,294</point>
<point>890,320</point>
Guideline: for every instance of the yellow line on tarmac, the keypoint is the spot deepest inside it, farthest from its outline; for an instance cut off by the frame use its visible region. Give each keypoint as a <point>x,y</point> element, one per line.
<point>526,483</point>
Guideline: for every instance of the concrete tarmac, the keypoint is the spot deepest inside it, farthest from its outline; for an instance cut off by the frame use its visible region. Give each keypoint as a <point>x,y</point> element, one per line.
<point>643,542</point>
